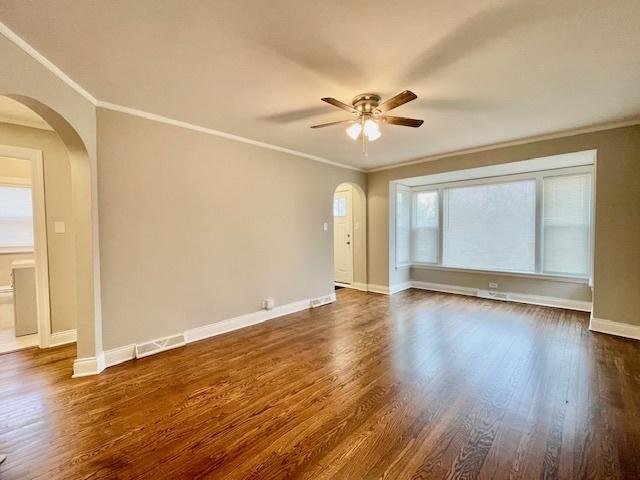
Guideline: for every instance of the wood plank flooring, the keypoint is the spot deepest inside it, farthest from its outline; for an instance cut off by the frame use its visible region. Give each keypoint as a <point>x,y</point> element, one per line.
<point>418,385</point>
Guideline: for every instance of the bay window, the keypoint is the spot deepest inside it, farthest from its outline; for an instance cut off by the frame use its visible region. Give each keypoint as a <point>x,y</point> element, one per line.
<point>536,223</point>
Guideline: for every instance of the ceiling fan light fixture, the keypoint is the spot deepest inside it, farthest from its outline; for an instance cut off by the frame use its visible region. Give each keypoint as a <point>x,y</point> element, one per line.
<point>372,130</point>
<point>354,131</point>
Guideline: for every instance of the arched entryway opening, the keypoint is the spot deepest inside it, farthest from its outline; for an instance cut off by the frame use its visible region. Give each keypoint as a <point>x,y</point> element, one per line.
<point>350,236</point>
<point>88,331</point>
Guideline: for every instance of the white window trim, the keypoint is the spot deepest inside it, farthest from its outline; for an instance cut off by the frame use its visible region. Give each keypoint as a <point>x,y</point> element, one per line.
<point>395,210</point>
<point>538,176</point>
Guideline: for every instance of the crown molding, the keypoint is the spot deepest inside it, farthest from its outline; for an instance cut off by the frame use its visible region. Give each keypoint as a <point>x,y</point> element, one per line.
<point>33,53</point>
<point>210,131</point>
<point>28,49</point>
<point>37,56</point>
<point>511,143</point>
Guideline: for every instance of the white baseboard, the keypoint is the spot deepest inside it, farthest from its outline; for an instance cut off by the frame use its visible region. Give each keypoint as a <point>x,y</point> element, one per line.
<point>355,286</point>
<point>360,286</point>
<point>614,328</point>
<point>119,355</point>
<point>441,287</point>
<point>383,289</point>
<point>510,297</point>
<point>125,353</point>
<point>242,321</point>
<point>399,287</point>
<point>63,338</point>
<point>84,367</point>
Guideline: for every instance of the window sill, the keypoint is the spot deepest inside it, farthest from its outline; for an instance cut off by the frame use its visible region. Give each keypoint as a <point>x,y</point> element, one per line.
<point>15,251</point>
<point>540,276</point>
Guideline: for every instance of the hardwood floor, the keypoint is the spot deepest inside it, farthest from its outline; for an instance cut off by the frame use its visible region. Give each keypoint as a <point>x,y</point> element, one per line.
<point>417,385</point>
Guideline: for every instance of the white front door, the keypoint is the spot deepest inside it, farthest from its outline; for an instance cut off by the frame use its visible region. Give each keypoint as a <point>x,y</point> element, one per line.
<point>343,236</point>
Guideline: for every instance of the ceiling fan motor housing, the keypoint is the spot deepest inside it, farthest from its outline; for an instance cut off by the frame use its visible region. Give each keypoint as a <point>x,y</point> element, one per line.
<point>366,102</point>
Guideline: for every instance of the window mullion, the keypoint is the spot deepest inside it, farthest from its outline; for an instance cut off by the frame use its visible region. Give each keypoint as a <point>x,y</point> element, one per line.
<point>539,221</point>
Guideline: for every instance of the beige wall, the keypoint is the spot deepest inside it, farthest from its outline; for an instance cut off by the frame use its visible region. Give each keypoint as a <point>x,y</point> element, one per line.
<point>61,247</point>
<point>617,223</point>
<point>74,119</point>
<point>196,229</point>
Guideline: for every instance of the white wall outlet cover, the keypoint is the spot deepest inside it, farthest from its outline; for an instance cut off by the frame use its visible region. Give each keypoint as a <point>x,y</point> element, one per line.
<point>493,285</point>
<point>268,303</point>
<point>325,226</point>
<point>59,227</point>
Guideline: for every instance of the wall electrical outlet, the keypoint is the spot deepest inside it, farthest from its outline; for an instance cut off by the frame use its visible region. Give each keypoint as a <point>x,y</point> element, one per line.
<point>268,303</point>
<point>493,285</point>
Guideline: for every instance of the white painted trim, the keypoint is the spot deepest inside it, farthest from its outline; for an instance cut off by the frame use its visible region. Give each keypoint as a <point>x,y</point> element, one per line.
<point>610,327</point>
<point>41,125</point>
<point>210,131</point>
<point>441,287</point>
<point>399,287</point>
<point>8,181</point>
<point>242,321</point>
<point>382,289</point>
<point>37,56</point>
<point>511,143</point>
<point>354,286</point>
<point>63,338</point>
<point>122,354</point>
<point>539,276</point>
<point>115,356</point>
<point>511,297</point>
<point>28,49</point>
<point>39,236</point>
<point>363,287</point>
<point>84,367</point>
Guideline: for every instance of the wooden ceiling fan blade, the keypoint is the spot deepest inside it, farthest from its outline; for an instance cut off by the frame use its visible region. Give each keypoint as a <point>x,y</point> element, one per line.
<point>396,101</point>
<point>339,104</point>
<point>405,122</point>
<point>322,125</point>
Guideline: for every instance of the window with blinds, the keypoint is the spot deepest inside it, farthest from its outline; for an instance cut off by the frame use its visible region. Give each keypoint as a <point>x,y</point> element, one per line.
<point>527,223</point>
<point>16,219</point>
<point>403,227</point>
<point>567,224</point>
<point>491,227</point>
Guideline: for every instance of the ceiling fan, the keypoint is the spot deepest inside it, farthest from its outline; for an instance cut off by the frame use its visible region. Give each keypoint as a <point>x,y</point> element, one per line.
<point>368,112</point>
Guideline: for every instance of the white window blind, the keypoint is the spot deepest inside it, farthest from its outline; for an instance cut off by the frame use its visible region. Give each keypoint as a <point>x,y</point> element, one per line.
<point>16,222</point>
<point>403,226</point>
<point>490,226</point>
<point>425,227</point>
<point>567,224</point>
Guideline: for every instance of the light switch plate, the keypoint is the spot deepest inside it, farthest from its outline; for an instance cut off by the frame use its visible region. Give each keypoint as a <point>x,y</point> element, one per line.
<point>59,227</point>
<point>325,226</point>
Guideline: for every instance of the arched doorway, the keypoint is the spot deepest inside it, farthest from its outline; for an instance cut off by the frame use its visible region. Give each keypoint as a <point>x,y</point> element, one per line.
<point>350,236</point>
<point>82,206</point>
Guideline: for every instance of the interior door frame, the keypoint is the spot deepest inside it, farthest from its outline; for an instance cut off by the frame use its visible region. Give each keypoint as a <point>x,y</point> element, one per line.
<point>41,254</point>
<point>347,189</point>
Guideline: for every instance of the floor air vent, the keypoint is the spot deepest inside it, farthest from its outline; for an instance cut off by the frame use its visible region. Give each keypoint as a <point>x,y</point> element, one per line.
<point>318,302</point>
<point>160,345</point>
<point>493,295</point>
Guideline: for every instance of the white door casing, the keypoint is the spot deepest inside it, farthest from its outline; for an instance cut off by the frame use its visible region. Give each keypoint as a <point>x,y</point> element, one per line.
<point>343,235</point>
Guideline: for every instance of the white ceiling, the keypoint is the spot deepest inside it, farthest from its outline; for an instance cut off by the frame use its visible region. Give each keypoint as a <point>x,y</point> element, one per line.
<point>485,71</point>
<point>16,113</point>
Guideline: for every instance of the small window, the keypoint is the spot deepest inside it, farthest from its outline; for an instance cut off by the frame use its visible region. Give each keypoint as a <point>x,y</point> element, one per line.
<point>16,219</point>
<point>567,224</point>
<point>403,226</point>
<point>340,207</point>
<point>425,227</point>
